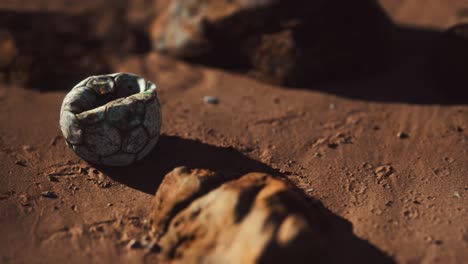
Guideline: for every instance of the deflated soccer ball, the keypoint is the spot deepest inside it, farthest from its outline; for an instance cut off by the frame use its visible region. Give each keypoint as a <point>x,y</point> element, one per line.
<point>112,119</point>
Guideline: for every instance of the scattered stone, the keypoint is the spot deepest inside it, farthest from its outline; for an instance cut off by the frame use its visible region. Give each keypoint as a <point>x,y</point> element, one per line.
<point>84,170</point>
<point>60,170</point>
<point>53,141</point>
<point>340,139</point>
<point>331,106</point>
<point>457,195</point>
<point>104,184</point>
<point>383,171</point>
<point>428,239</point>
<point>109,204</point>
<point>96,229</point>
<point>449,159</point>
<point>52,178</point>
<point>210,100</point>
<point>73,187</point>
<point>152,247</point>
<point>74,208</point>
<point>256,218</point>
<point>317,154</point>
<point>49,194</point>
<point>24,200</point>
<point>402,135</point>
<point>367,165</point>
<point>28,148</point>
<point>21,163</point>
<point>134,244</point>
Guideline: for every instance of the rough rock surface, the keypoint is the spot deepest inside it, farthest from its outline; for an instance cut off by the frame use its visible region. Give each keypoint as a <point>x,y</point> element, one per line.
<point>254,219</point>
<point>286,42</point>
<point>111,119</point>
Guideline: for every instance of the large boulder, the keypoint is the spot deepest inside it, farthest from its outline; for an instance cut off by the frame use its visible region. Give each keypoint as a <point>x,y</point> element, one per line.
<point>257,218</point>
<point>291,42</point>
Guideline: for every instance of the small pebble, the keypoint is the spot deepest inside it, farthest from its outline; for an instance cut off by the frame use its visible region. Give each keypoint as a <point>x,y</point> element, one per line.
<point>153,247</point>
<point>53,141</point>
<point>134,244</point>
<point>331,106</point>
<point>402,135</point>
<point>210,100</point>
<point>28,148</point>
<point>24,200</point>
<point>21,163</point>
<point>457,194</point>
<point>49,194</point>
<point>53,178</point>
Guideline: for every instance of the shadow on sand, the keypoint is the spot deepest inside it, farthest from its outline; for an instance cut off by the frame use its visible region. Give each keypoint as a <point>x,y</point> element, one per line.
<point>423,67</point>
<point>341,245</point>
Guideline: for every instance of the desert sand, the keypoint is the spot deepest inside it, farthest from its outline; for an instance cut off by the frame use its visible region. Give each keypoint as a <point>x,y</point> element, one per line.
<point>385,154</point>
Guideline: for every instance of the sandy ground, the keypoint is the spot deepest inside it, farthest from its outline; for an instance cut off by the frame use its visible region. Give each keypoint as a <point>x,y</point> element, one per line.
<point>404,197</point>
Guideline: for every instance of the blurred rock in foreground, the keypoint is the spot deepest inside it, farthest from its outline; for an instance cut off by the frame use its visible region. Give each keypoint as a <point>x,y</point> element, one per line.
<point>254,219</point>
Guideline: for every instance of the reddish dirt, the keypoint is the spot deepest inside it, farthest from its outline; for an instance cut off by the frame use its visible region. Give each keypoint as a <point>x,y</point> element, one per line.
<point>405,197</point>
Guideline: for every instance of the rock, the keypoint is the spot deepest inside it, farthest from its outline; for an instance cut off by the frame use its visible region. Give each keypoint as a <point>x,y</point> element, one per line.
<point>402,135</point>
<point>256,218</point>
<point>49,194</point>
<point>134,244</point>
<point>24,200</point>
<point>383,171</point>
<point>177,189</point>
<point>210,100</point>
<point>291,42</point>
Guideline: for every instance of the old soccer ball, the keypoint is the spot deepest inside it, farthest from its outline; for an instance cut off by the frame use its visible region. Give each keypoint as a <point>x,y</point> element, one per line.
<point>112,119</point>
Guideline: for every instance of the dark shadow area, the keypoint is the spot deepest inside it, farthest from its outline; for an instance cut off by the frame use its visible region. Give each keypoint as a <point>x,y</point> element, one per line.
<point>171,152</point>
<point>54,51</point>
<point>340,245</point>
<point>424,67</point>
<point>343,246</point>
